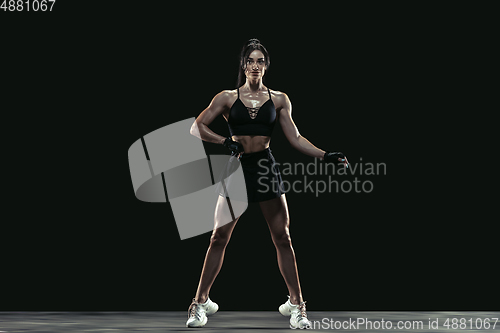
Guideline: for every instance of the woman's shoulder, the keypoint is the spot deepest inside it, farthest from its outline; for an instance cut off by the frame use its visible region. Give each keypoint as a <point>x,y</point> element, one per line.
<point>226,96</point>
<point>276,93</point>
<point>278,96</point>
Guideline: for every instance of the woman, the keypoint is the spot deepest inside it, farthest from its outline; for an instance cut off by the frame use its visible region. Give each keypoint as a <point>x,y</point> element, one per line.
<point>251,112</point>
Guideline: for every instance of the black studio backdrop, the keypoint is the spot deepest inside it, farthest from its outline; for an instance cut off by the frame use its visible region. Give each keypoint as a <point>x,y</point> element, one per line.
<point>335,235</point>
<point>354,87</point>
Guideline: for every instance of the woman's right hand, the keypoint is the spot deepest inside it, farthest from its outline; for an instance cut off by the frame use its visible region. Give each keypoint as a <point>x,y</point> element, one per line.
<point>236,148</point>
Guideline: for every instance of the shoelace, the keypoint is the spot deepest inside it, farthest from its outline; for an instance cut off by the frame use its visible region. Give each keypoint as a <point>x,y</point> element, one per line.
<point>302,311</point>
<point>193,310</point>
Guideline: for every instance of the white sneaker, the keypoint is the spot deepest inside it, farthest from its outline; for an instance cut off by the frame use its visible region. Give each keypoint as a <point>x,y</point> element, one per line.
<point>198,312</point>
<point>297,313</point>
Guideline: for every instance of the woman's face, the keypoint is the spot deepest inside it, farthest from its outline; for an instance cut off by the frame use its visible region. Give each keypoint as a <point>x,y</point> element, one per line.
<point>255,66</point>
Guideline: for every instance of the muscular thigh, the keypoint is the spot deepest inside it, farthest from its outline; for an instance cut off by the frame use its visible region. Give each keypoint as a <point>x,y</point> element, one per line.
<point>223,219</point>
<point>275,212</point>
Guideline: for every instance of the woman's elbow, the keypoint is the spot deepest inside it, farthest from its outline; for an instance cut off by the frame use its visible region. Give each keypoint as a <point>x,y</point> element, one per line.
<point>294,142</point>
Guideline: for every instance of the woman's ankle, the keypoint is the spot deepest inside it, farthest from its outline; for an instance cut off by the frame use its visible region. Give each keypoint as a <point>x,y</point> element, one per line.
<point>295,300</point>
<point>201,299</point>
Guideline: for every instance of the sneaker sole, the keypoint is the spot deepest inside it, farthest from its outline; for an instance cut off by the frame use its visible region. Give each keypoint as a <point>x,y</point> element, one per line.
<point>197,326</point>
<point>300,327</point>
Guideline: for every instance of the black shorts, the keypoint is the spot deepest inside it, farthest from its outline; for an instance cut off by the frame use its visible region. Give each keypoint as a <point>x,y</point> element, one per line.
<point>262,176</point>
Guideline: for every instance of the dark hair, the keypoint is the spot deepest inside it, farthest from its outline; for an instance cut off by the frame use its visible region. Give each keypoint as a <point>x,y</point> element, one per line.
<point>250,46</point>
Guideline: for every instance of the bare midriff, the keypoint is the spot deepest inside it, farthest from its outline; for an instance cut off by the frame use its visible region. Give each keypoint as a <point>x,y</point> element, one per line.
<point>252,143</point>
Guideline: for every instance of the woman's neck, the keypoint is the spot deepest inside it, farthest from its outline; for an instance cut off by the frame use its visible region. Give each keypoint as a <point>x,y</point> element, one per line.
<point>253,86</point>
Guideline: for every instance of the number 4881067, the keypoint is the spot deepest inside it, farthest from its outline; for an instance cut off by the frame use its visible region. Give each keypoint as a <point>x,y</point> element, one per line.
<point>27,5</point>
<point>478,324</point>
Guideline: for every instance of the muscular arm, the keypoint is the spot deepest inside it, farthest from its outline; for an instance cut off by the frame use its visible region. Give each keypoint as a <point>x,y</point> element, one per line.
<point>200,126</point>
<point>292,133</point>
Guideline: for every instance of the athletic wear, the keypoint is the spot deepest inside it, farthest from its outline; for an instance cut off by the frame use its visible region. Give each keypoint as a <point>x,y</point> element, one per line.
<point>297,313</point>
<point>233,146</point>
<point>334,157</point>
<point>262,176</point>
<point>197,313</point>
<point>244,120</point>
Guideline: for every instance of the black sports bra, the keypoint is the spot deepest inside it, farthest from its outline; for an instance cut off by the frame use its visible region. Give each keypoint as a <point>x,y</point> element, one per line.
<point>243,120</point>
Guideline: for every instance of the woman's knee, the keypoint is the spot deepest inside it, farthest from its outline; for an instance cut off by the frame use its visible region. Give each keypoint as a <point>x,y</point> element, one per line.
<point>219,238</point>
<point>282,239</point>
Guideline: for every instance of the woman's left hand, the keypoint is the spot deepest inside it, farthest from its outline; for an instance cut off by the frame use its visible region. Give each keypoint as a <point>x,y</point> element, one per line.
<point>335,157</point>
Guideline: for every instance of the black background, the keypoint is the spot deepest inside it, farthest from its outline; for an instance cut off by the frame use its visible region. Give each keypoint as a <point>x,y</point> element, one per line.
<point>86,81</point>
